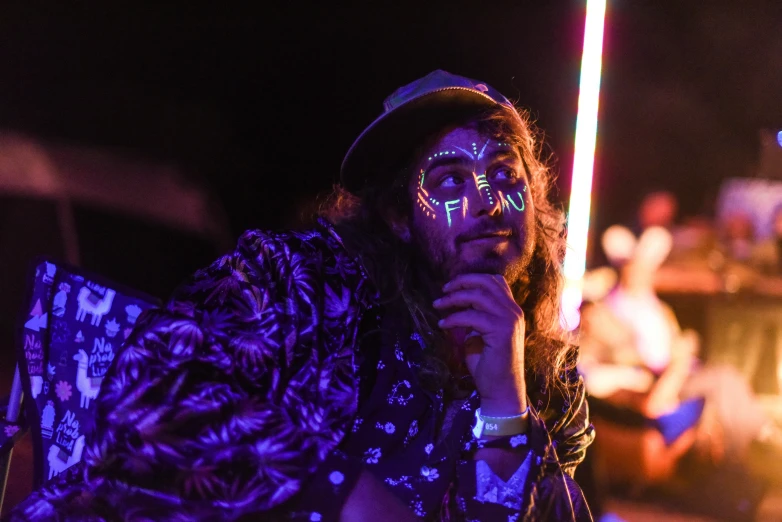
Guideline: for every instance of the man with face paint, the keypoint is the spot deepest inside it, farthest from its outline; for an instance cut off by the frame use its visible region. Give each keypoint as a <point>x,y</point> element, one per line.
<point>401,360</point>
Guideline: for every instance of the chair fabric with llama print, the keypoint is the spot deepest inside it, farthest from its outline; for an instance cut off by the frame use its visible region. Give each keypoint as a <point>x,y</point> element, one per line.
<point>73,325</point>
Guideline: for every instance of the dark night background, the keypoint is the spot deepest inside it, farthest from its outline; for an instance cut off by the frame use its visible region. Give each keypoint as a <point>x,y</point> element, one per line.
<point>261,103</point>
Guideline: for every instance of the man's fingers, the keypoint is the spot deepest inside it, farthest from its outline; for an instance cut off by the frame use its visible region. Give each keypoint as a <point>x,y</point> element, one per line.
<point>478,321</point>
<point>501,282</point>
<point>476,298</point>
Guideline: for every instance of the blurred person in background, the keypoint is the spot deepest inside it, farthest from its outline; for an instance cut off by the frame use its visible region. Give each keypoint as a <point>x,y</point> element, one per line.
<point>767,254</point>
<point>631,341</point>
<point>738,237</point>
<point>657,209</point>
<point>692,238</point>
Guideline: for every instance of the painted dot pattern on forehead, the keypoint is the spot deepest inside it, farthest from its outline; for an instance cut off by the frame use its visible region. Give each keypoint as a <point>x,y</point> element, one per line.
<point>442,153</point>
<point>475,154</point>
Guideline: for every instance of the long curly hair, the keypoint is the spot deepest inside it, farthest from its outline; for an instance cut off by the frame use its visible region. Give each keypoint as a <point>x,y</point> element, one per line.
<point>403,280</point>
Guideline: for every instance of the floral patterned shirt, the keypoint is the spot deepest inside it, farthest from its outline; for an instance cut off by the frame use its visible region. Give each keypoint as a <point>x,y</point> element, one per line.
<point>254,393</point>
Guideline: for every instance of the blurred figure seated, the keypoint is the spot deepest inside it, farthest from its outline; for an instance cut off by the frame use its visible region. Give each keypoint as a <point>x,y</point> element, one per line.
<point>634,355</point>
<point>767,254</point>
<point>657,209</point>
<point>691,263</point>
<point>738,236</point>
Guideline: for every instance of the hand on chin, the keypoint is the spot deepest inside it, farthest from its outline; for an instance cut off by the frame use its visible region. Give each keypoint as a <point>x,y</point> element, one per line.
<point>488,329</point>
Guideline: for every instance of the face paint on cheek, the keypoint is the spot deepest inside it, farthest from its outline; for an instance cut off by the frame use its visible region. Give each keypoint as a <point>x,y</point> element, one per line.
<point>521,202</point>
<point>509,203</point>
<point>450,206</point>
<point>422,195</point>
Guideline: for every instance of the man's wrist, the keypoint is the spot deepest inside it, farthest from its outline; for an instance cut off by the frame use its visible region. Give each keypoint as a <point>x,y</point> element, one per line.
<point>503,408</point>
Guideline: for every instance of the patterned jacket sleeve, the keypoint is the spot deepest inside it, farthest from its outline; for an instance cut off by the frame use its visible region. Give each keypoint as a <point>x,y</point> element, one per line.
<point>564,409</point>
<point>554,494</point>
<point>231,398</point>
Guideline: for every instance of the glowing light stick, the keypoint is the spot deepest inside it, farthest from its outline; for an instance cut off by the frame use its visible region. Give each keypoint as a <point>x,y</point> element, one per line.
<point>583,161</point>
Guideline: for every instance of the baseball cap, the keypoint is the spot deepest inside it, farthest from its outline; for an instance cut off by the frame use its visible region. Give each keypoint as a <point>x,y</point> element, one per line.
<point>410,114</point>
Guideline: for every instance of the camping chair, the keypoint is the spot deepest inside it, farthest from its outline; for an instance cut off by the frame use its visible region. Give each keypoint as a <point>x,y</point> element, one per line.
<point>638,450</point>
<point>72,325</point>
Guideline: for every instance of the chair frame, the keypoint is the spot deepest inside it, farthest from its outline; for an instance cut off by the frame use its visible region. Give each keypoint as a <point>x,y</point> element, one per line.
<point>11,415</point>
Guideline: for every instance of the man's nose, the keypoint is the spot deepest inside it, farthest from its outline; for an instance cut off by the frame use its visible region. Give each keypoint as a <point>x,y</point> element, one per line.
<point>482,198</point>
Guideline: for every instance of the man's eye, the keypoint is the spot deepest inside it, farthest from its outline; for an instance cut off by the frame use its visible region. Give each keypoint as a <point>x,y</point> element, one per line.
<point>504,174</point>
<point>450,180</point>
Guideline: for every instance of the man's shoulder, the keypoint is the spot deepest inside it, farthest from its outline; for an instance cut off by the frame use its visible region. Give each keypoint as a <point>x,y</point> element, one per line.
<point>269,249</point>
<point>270,259</point>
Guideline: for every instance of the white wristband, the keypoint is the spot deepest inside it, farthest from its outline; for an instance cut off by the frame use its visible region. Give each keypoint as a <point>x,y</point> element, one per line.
<point>499,426</point>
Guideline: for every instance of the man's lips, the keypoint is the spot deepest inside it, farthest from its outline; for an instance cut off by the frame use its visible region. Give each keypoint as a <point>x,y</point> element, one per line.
<point>496,235</point>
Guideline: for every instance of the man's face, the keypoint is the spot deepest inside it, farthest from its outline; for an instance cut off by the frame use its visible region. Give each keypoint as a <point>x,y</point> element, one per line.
<point>472,212</point>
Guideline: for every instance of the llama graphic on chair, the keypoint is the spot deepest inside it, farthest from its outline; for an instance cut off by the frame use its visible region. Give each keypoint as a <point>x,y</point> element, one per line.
<point>83,381</point>
<point>99,308</point>
<point>36,385</point>
<point>56,464</point>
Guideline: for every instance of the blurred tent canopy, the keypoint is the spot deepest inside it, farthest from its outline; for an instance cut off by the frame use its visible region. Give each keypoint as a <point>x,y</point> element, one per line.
<point>138,223</point>
<point>67,174</point>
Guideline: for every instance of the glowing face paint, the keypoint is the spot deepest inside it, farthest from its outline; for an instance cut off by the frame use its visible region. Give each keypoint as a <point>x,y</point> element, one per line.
<point>427,204</point>
<point>475,155</point>
<point>507,201</point>
<point>450,206</point>
<point>521,202</point>
<point>485,186</point>
<point>425,207</point>
<point>442,153</point>
<point>423,202</point>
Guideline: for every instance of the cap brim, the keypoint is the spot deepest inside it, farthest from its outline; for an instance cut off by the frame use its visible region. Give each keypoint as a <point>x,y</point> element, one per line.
<point>388,142</point>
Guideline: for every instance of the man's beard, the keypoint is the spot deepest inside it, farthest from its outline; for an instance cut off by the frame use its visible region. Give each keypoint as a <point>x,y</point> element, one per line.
<point>443,265</point>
